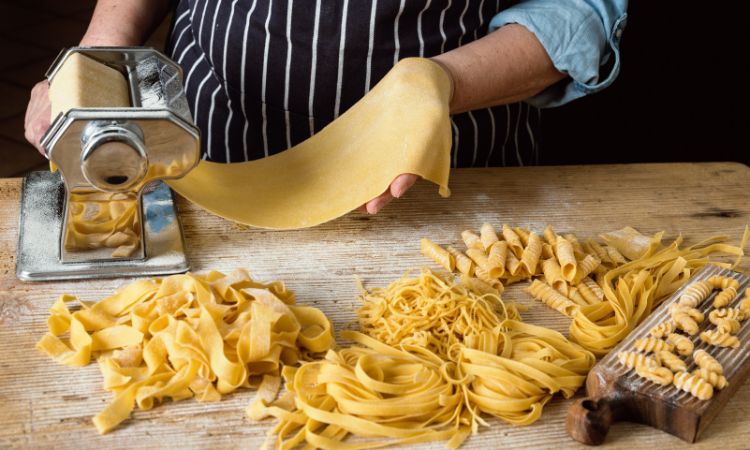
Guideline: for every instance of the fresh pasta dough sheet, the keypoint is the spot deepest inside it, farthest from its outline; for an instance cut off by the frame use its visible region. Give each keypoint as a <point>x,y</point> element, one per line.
<point>401,126</point>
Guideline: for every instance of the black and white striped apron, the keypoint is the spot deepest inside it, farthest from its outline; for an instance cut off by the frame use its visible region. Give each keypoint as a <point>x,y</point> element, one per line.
<point>264,75</point>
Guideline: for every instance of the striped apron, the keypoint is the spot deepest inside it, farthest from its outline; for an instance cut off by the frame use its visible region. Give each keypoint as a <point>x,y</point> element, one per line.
<point>264,75</point>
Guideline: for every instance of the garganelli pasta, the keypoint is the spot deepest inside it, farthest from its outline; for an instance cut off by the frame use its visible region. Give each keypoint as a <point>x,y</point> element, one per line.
<point>185,336</point>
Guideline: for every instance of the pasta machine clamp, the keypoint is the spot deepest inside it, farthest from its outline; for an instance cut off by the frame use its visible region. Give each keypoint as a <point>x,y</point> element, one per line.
<point>105,212</point>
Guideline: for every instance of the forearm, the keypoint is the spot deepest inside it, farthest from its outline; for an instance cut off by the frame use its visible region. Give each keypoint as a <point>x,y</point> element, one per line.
<point>506,66</point>
<point>124,22</point>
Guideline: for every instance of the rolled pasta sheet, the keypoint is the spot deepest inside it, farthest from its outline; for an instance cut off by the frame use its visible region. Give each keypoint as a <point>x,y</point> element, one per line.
<point>566,258</point>
<point>594,286</point>
<point>487,278</point>
<point>523,235</point>
<point>588,294</point>
<point>513,266</point>
<point>695,385</point>
<point>594,248</point>
<point>481,287</point>
<point>483,263</point>
<point>497,257</point>
<point>488,236</point>
<point>695,314</point>
<point>471,240</point>
<point>531,254</point>
<point>615,256</point>
<point>464,264</point>
<point>548,251</point>
<point>576,296</point>
<point>577,247</point>
<point>550,297</point>
<point>438,254</point>
<point>682,344</point>
<point>514,242</point>
<point>586,267</point>
<point>549,235</point>
<point>553,275</point>
<point>717,338</point>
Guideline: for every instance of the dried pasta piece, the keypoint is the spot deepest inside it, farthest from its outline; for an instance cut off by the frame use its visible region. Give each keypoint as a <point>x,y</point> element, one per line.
<point>686,323</point>
<point>588,294</point>
<point>615,255</point>
<point>730,326</point>
<point>729,313</point>
<point>471,240</point>
<point>663,329</point>
<point>553,275</point>
<point>659,375</point>
<point>481,287</point>
<point>512,264</point>
<point>594,248</point>
<point>695,293</point>
<point>594,286</point>
<point>695,314</point>
<point>672,361</point>
<point>550,297</point>
<point>464,264</point>
<point>586,266</point>
<point>719,339</point>
<point>576,296</point>
<point>497,257</point>
<point>523,235</point>
<point>577,247</point>
<point>706,361</point>
<point>682,344</point>
<point>487,278</point>
<point>722,282</point>
<point>514,242</point>
<point>531,254</point>
<point>488,236</point>
<point>652,345</point>
<point>745,302</point>
<point>695,385</point>
<point>725,297</point>
<point>632,360</point>
<point>566,258</point>
<point>549,235</point>
<point>716,380</point>
<point>438,254</point>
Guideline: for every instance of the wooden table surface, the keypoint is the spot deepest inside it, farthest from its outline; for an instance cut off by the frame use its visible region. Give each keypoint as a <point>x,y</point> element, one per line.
<point>43,404</point>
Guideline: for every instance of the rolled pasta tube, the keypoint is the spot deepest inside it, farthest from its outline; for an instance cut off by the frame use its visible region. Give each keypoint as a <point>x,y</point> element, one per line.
<point>514,242</point>
<point>553,275</point>
<point>587,294</point>
<point>552,298</point>
<point>549,235</point>
<point>531,254</point>
<point>586,267</point>
<point>481,287</point>
<point>483,263</point>
<point>471,240</point>
<point>497,256</point>
<point>464,264</point>
<point>523,235</point>
<point>566,258</point>
<point>548,251</point>
<point>577,247</point>
<point>488,236</point>
<point>576,296</point>
<point>438,254</point>
<point>512,265</point>
<point>615,255</point>
<point>594,286</point>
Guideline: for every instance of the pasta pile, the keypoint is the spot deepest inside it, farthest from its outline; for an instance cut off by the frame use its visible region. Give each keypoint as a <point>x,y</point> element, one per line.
<point>431,358</point>
<point>665,340</point>
<point>103,220</point>
<point>606,288</point>
<point>185,336</point>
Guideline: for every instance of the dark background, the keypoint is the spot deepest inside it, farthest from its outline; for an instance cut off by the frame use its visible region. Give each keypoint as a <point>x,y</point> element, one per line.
<point>679,97</point>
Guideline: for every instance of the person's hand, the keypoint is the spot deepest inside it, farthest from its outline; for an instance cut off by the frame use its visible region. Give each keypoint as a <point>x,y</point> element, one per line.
<point>37,115</point>
<point>398,187</point>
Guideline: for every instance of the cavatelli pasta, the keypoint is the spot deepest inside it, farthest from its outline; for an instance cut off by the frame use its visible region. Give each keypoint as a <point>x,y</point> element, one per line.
<point>730,313</point>
<point>663,329</point>
<point>438,254</point>
<point>531,254</point>
<point>719,339</point>
<point>464,264</point>
<point>632,360</point>
<point>695,293</point>
<point>672,361</point>
<point>471,240</point>
<point>725,297</point>
<point>514,242</point>
<point>652,345</point>
<point>497,257</point>
<point>487,235</point>
<point>659,375</point>
<point>726,325</point>
<point>695,385</point>
<point>682,344</point>
<point>716,380</point>
<point>722,282</point>
<point>566,258</point>
<point>706,361</point>
<point>550,297</point>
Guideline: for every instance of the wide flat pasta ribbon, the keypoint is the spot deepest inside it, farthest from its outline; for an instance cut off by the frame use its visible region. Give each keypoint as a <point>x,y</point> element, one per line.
<point>401,126</point>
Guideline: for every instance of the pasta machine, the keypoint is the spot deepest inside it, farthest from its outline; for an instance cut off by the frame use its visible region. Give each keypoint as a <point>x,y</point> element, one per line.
<point>105,212</point>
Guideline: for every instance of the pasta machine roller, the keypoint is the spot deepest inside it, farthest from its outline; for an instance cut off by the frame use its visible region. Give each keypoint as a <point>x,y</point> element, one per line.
<point>106,212</point>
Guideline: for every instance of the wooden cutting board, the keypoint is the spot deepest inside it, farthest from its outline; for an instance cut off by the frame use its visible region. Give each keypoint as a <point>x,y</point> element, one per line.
<point>616,393</point>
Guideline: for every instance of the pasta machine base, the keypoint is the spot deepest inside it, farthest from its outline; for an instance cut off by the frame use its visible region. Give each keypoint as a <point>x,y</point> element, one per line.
<point>42,205</point>
<point>615,393</point>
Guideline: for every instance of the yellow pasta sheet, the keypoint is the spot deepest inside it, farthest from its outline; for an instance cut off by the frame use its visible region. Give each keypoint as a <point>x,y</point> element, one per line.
<point>401,126</point>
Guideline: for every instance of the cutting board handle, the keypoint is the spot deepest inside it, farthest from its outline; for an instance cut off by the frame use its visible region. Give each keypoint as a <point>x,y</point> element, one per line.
<point>589,419</point>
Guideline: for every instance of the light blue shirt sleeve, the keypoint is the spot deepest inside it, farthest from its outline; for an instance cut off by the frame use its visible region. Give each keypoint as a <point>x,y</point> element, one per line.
<point>580,36</point>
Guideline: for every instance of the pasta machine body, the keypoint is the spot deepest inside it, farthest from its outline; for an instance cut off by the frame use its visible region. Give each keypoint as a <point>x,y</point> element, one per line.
<point>106,212</point>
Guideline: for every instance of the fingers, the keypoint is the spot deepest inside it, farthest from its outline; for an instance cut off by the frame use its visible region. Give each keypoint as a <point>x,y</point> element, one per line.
<point>398,187</point>
<point>37,119</point>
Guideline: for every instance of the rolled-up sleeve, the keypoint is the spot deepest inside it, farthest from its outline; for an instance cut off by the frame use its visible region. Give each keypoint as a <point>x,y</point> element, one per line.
<point>582,37</point>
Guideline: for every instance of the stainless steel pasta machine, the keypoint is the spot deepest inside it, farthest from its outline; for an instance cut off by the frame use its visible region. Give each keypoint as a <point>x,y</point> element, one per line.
<point>106,212</point>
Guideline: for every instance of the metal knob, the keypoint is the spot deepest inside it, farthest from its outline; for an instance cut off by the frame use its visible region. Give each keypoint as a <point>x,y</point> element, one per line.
<point>114,157</point>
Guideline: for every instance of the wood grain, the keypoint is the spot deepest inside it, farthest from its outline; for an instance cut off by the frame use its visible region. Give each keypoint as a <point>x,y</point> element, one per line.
<point>46,405</point>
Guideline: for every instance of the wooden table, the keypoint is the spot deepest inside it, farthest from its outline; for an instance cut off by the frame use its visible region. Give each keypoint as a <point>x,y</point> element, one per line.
<point>43,404</point>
